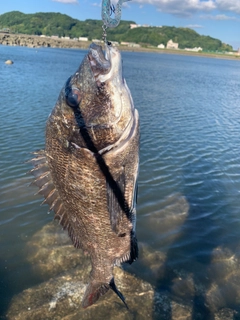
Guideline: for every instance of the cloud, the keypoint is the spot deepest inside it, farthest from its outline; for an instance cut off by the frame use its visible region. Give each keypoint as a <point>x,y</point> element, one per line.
<point>189,7</point>
<point>217,17</point>
<point>96,4</point>
<point>181,7</point>
<point>67,1</point>
<point>228,5</point>
<point>194,26</point>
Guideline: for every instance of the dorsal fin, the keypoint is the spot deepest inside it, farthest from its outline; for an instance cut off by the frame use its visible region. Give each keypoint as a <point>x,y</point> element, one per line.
<point>43,180</point>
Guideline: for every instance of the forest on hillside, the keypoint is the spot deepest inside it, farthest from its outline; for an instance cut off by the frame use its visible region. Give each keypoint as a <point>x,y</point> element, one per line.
<point>63,25</point>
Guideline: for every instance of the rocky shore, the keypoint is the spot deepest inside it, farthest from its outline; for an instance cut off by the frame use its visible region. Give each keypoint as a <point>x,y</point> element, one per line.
<point>36,41</point>
<point>32,41</point>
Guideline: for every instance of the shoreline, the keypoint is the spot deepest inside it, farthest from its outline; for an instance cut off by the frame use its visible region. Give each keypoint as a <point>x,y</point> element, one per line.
<point>33,41</point>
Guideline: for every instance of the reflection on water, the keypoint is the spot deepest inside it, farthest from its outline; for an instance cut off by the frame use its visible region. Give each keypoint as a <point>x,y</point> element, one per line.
<point>188,209</point>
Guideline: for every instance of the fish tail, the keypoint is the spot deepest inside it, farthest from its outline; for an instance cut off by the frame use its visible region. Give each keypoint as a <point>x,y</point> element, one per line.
<point>95,290</point>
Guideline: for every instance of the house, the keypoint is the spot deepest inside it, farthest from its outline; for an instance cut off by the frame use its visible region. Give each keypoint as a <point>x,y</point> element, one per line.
<point>161,46</point>
<point>172,45</point>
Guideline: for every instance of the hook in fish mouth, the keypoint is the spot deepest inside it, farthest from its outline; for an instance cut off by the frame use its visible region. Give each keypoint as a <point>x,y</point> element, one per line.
<point>100,63</point>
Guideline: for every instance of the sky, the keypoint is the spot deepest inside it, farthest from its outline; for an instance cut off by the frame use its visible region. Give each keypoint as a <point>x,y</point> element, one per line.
<point>216,18</point>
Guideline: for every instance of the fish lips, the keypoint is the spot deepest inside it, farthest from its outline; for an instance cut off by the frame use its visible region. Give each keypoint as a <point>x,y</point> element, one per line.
<point>101,64</point>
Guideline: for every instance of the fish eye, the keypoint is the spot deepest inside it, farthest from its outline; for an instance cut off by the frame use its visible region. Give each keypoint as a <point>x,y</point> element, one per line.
<point>73,96</point>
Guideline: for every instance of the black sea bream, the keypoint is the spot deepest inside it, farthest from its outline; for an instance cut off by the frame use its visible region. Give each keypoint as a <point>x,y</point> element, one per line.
<point>88,170</point>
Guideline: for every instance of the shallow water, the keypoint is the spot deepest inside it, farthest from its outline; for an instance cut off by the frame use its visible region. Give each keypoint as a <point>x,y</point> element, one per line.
<point>189,182</point>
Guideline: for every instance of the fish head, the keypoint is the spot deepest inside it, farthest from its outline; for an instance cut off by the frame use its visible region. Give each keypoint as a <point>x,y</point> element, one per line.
<point>96,104</point>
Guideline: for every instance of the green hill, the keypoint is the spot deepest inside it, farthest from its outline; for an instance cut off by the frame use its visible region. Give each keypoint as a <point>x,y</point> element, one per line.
<point>62,25</point>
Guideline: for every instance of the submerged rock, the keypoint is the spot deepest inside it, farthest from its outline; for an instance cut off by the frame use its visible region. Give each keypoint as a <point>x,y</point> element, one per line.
<point>50,251</point>
<point>52,254</point>
<point>60,298</point>
<point>66,271</point>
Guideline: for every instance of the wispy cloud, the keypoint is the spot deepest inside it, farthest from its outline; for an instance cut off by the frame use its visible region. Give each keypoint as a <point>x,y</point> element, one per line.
<point>96,4</point>
<point>67,1</point>
<point>217,17</point>
<point>194,26</point>
<point>181,8</point>
<point>189,7</point>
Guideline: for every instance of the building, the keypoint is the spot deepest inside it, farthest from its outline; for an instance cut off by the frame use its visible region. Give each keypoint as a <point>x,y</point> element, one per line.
<point>172,45</point>
<point>83,39</point>
<point>161,46</point>
<point>97,41</point>
<point>194,49</point>
<point>133,26</point>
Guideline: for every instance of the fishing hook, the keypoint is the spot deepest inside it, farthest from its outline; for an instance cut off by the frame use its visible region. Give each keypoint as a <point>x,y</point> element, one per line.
<point>107,10</point>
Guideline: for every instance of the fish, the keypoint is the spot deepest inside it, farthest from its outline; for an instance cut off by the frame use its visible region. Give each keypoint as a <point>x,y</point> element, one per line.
<point>88,170</point>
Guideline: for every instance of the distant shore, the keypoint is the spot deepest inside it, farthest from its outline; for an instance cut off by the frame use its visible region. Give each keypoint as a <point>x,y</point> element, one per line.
<point>33,41</point>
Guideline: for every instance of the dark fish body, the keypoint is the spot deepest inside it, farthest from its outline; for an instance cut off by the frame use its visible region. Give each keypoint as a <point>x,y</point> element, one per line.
<point>88,170</point>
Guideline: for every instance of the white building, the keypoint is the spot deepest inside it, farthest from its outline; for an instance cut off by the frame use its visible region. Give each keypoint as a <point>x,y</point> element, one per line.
<point>133,26</point>
<point>194,49</point>
<point>83,39</point>
<point>161,46</point>
<point>97,41</point>
<point>172,45</point>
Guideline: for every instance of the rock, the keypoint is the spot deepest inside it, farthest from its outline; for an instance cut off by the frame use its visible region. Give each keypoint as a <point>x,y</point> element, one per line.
<point>50,251</point>
<point>60,298</point>
<point>34,41</point>
<point>8,62</point>
<point>52,254</point>
<point>65,271</point>
<point>224,270</point>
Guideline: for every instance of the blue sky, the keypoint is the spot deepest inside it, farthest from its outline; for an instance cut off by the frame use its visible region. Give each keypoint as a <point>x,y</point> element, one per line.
<point>216,18</point>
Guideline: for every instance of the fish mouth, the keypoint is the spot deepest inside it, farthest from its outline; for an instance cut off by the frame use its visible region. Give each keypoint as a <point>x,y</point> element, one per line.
<point>101,63</point>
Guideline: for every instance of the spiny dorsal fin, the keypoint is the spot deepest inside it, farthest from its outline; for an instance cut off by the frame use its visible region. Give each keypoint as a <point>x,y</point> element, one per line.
<point>44,182</point>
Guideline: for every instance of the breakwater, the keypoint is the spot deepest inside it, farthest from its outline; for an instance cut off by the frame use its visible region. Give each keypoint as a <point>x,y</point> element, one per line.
<point>33,41</point>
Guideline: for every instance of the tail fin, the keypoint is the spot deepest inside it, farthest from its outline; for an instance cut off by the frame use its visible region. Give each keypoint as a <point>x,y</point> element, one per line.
<point>95,290</point>
<point>115,289</point>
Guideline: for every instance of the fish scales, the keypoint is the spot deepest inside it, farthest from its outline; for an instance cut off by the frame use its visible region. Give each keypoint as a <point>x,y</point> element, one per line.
<point>88,170</point>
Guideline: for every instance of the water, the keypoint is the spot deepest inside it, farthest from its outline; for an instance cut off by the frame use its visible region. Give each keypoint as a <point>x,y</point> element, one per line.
<point>189,183</point>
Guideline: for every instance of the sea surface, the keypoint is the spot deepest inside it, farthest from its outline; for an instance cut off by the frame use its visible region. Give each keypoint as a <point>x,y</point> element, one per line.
<point>189,182</point>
